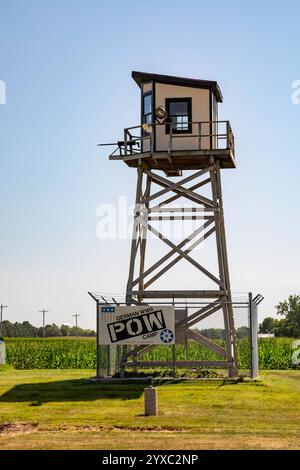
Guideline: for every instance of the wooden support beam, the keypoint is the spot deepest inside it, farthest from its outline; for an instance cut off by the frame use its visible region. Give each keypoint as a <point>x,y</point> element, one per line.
<point>200,315</point>
<point>140,349</point>
<point>178,217</point>
<point>228,311</point>
<point>180,294</point>
<point>178,187</point>
<point>172,251</point>
<point>187,257</point>
<point>184,210</point>
<point>141,364</point>
<point>211,212</point>
<point>179,257</point>
<point>194,335</point>
<point>177,196</point>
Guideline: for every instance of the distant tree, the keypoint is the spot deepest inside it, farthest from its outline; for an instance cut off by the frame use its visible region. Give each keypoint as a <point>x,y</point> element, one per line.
<point>40,332</point>
<point>22,330</point>
<point>65,330</point>
<point>290,310</point>
<point>52,331</point>
<point>9,329</point>
<point>212,333</point>
<point>73,331</point>
<point>268,325</point>
<point>26,330</point>
<point>219,333</point>
<point>242,332</point>
<point>18,329</point>
<point>90,333</point>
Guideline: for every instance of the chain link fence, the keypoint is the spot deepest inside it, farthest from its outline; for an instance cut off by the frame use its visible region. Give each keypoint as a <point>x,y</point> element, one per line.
<point>198,351</point>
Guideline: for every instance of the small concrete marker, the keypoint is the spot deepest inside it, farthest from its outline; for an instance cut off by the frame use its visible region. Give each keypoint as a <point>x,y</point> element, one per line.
<point>150,397</point>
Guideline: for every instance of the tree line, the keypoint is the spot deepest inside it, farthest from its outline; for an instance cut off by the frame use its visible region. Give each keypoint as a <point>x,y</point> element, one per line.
<point>289,325</point>
<point>219,333</point>
<point>26,330</point>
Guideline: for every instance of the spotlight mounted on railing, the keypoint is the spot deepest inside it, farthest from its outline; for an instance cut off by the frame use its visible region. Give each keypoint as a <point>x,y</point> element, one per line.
<point>147,128</point>
<point>160,113</point>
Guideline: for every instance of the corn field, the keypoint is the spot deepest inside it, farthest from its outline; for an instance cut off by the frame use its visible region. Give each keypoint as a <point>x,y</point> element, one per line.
<point>51,353</point>
<point>67,353</point>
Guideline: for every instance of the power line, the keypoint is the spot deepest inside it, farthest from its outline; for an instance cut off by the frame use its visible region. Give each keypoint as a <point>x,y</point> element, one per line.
<point>44,315</point>
<point>1,312</point>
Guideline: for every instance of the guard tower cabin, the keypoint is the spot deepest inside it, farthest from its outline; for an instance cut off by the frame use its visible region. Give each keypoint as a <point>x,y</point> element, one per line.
<point>179,126</point>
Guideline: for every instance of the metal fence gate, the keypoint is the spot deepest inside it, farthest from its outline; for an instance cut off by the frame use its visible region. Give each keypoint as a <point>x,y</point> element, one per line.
<point>198,351</point>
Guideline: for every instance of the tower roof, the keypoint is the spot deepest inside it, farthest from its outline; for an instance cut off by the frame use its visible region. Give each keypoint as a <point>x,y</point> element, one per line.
<point>141,77</point>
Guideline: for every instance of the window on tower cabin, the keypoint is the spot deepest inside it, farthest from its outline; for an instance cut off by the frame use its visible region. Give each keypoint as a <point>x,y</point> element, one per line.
<point>179,115</point>
<point>147,108</point>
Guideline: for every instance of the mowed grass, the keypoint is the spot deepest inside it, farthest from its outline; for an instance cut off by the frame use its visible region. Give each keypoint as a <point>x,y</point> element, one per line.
<point>69,413</point>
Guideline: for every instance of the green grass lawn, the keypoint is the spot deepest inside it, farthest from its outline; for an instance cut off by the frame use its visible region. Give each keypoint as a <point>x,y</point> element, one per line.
<point>66,412</point>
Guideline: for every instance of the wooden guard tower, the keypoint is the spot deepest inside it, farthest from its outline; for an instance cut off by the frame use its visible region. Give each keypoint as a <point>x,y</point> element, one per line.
<point>180,132</point>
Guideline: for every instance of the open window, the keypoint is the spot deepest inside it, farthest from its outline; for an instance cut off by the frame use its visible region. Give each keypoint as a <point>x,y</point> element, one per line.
<point>179,115</point>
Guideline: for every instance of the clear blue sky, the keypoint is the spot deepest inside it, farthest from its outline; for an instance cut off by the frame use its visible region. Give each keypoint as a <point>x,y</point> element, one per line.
<point>67,65</point>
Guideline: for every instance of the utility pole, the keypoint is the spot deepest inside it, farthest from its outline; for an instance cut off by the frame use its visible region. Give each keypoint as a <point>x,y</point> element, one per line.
<point>1,311</point>
<point>44,315</point>
<point>76,317</point>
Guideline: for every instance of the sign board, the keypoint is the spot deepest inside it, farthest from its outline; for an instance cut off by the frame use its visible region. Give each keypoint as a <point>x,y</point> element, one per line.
<point>136,324</point>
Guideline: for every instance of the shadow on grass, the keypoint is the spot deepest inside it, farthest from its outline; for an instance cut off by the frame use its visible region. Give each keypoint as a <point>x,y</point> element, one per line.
<point>70,390</point>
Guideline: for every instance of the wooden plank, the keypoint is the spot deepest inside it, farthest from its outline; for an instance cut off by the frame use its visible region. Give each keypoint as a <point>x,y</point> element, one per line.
<point>163,155</point>
<point>184,210</point>
<point>134,233</point>
<point>186,160</point>
<point>180,294</point>
<point>143,237</point>
<point>228,311</point>
<point>170,363</point>
<point>179,217</point>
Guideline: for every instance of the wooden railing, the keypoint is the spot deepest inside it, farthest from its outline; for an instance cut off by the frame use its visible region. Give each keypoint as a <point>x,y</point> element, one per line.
<point>209,135</point>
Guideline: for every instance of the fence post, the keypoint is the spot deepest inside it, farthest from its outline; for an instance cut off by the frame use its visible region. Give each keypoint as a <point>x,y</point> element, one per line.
<point>108,360</point>
<point>98,358</point>
<point>118,359</point>
<point>253,336</point>
<point>150,399</point>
